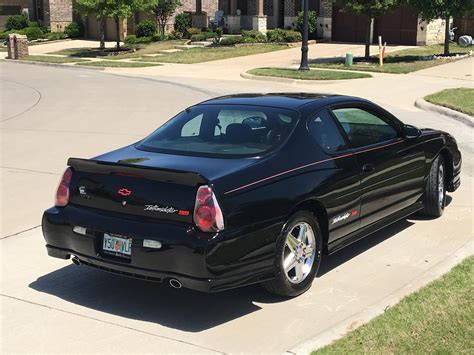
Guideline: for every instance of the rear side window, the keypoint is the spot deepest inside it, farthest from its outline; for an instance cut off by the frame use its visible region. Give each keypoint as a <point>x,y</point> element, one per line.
<point>364,128</point>
<point>325,132</point>
<point>223,131</point>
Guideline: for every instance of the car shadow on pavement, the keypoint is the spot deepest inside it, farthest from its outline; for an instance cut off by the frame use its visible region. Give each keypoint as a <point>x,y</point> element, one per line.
<point>333,261</point>
<point>181,309</point>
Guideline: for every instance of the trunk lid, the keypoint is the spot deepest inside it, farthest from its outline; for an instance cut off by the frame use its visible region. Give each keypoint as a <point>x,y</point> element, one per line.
<point>146,184</point>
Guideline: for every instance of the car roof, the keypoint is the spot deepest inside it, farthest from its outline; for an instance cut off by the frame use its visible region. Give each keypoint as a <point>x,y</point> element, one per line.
<point>281,100</point>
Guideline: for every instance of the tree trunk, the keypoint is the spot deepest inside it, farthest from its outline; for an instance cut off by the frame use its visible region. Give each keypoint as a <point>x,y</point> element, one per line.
<point>117,29</point>
<point>102,34</point>
<point>368,32</point>
<point>446,36</point>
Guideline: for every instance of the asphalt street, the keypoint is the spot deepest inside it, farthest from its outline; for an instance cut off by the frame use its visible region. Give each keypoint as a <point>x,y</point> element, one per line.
<point>49,305</point>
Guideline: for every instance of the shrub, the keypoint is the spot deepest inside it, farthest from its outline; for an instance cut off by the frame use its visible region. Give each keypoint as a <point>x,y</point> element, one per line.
<point>144,40</point>
<point>182,22</point>
<point>158,38</point>
<point>218,35</point>
<point>54,36</point>
<point>33,33</point>
<point>279,35</point>
<point>312,22</point>
<point>292,36</point>
<point>17,22</point>
<point>231,40</point>
<point>145,28</point>
<point>74,30</point>
<point>276,35</point>
<point>33,24</point>
<point>202,36</point>
<point>192,32</point>
<point>130,39</point>
<point>4,35</point>
<point>174,35</point>
<point>253,34</point>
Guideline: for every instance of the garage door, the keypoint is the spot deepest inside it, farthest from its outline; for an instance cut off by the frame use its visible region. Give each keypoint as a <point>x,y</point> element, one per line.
<point>347,27</point>
<point>397,27</point>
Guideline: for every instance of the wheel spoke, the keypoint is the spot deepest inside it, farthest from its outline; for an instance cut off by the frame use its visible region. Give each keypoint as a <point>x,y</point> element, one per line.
<point>299,271</point>
<point>302,232</point>
<point>290,262</point>
<point>291,242</point>
<point>309,252</point>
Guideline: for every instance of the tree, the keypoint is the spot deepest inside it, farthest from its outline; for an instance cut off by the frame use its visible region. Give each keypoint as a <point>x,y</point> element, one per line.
<point>445,9</point>
<point>116,9</point>
<point>371,9</point>
<point>163,10</point>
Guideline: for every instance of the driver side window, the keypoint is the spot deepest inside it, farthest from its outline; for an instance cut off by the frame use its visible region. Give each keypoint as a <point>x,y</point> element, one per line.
<point>364,128</point>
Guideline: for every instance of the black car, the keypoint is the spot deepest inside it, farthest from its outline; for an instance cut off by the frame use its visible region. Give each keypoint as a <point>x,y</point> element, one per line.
<point>249,189</point>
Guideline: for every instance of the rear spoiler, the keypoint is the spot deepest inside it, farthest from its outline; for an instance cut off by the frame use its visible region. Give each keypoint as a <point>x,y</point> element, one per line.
<point>158,174</point>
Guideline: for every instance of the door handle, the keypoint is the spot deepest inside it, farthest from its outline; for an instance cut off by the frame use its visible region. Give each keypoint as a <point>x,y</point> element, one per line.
<point>368,168</point>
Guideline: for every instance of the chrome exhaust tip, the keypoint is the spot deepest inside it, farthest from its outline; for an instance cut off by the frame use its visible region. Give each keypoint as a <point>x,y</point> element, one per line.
<point>175,283</point>
<point>75,260</point>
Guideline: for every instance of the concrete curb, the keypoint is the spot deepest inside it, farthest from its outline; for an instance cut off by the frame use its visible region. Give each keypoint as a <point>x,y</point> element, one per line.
<point>275,79</point>
<point>58,65</point>
<point>342,328</point>
<point>458,116</point>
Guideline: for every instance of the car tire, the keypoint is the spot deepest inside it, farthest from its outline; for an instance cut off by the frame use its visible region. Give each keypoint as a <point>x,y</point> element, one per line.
<point>434,196</point>
<point>297,256</point>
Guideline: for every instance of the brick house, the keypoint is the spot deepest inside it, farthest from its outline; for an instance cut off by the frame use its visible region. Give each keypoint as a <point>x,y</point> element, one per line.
<point>56,14</point>
<point>400,26</point>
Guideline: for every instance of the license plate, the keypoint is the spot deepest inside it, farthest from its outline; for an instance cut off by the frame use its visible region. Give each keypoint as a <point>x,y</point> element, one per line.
<point>117,245</point>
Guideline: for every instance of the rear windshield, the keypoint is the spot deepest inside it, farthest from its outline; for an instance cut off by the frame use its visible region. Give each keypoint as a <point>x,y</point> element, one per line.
<point>223,131</point>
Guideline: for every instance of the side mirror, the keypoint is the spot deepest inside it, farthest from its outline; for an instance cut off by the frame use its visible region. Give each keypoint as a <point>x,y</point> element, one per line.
<point>411,132</point>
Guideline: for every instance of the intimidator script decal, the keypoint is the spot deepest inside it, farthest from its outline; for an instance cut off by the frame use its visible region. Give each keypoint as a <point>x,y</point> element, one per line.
<point>344,216</point>
<point>167,210</point>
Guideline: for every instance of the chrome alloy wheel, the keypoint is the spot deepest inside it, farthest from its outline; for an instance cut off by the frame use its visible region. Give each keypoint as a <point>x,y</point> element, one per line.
<point>299,252</point>
<point>441,186</point>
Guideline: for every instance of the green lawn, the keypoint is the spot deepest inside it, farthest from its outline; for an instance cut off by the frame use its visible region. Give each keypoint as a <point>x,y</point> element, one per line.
<point>199,55</point>
<point>117,64</point>
<point>111,54</point>
<point>308,74</point>
<point>461,99</point>
<point>399,62</point>
<point>51,59</point>
<point>438,319</point>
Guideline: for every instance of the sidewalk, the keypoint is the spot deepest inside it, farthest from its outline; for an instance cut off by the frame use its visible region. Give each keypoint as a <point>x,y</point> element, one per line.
<point>230,69</point>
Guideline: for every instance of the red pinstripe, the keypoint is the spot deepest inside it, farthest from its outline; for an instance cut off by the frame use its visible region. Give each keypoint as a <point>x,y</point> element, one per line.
<point>310,164</point>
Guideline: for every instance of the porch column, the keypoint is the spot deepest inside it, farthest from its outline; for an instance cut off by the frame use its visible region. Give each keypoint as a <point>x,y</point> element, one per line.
<point>260,21</point>
<point>198,7</point>
<point>276,13</point>
<point>199,18</point>
<point>233,20</point>
<point>260,4</point>
<point>233,7</point>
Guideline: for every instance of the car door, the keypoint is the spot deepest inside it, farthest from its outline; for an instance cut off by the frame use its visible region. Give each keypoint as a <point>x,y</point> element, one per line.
<point>391,167</point>
<point>340,193</point>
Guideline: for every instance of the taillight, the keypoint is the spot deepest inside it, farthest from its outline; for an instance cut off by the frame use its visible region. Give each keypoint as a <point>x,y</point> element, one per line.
<point>62,194</point>
<point>207,213</point>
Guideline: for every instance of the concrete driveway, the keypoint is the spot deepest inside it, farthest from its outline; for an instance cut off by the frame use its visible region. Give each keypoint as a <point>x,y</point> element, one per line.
<point>48,305</point>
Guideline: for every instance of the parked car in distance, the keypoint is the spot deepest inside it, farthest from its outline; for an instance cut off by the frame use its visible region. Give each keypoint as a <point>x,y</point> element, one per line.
<point>247,189</point>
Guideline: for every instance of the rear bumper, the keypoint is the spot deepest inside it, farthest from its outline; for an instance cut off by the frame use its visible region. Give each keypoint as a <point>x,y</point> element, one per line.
<point>183,256</point>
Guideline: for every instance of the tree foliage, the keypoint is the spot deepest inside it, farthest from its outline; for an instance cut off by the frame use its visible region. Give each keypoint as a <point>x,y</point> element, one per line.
<point>433,9</point>
<point>445,9</point>
<point>116,9</point>
<point>163,10</point>
<point>369,8</point>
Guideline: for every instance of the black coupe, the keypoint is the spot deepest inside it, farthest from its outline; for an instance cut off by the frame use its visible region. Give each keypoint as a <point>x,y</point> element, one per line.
<point>249,189</point>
